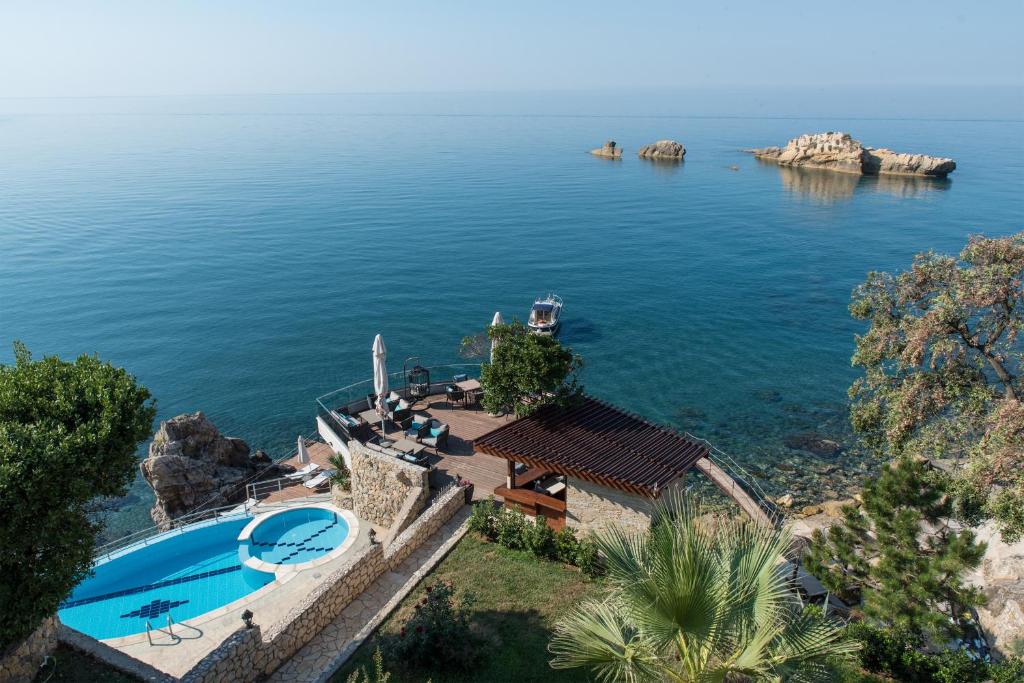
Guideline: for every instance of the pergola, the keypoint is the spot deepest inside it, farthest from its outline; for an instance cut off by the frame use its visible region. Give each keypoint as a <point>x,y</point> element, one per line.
<point>596,442</point>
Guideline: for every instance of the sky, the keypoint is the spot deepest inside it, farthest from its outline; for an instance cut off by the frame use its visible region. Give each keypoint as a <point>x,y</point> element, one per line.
<point>52,48</point>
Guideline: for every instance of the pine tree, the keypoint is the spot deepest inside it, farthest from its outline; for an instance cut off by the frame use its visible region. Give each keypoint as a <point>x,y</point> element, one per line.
<point>899,555</point>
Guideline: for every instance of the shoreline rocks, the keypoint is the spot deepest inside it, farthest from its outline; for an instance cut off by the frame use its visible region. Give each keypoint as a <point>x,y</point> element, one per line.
<point>190,464</point>
<point>836,151</point>
<point>667,150</point>
<point>609,150</point>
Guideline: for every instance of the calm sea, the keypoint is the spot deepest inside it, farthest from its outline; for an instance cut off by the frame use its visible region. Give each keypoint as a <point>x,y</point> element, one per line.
<point>239,254</point>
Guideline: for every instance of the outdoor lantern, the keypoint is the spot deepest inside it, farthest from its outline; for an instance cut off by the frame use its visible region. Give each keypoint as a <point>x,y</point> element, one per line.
<point>247,618</point>
<point>419,382</point>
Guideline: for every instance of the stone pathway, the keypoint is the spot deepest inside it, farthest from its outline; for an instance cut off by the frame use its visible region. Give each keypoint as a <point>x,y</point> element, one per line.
<point>332,647</point>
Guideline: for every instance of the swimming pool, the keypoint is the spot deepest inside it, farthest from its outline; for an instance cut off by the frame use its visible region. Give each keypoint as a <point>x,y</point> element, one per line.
<point>295,536</point>
<point>193,570</point>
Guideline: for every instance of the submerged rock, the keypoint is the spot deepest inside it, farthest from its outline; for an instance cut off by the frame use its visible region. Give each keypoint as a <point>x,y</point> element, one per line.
<point>610,150</point>
<point>663,149</point>
<point>840,152</point>
<point>190,464</point>
<point>812,442</point>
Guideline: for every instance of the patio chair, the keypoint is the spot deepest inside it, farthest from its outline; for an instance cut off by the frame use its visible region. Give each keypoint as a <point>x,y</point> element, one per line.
<point>418,427</point>
<point>453,394</point>
<point>303,472</point>
<point>438,435</point>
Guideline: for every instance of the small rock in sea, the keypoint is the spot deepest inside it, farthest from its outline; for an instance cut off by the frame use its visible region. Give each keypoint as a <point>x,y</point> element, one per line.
<point>768,395</point>
<point>784,466</point>
<point>812,442</point>
<point>809,510</point>
<point>610,150</point>
<point>691,413</point>
<point>829,494</point>
<point>785,501</point>
<point>734,167</point>
<point>663,149</point>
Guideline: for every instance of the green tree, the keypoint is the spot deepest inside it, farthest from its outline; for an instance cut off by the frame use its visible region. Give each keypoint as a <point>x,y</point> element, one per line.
<point>528,371</point>
<point>942,361</point>
<point>68,433</point>
<point>691,600</point>
<point>900,556</point>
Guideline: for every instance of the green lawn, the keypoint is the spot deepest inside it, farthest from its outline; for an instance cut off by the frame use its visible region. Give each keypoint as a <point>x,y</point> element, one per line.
<point>518,600</point>
<point>72,666</point>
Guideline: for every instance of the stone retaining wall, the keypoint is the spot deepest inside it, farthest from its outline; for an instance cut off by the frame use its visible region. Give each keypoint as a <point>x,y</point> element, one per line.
<point>589,507</point>
<point>249,654</point>
<point>381,484</point>
<point>21,662</point>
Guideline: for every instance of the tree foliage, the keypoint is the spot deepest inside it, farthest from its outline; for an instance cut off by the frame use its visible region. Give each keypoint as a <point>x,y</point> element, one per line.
<point>693,601</point>
<point>68,433</point>
<point>900,556</point>
<point>942,362</point>
<point>528,371</point>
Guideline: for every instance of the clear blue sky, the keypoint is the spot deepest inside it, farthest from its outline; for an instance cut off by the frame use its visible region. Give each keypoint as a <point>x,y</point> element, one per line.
<point>143,47</point>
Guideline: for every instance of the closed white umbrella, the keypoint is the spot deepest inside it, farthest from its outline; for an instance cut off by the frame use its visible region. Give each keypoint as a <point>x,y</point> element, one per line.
<point>303,453</point>
<point>380,377</point>
<point>494,342</point>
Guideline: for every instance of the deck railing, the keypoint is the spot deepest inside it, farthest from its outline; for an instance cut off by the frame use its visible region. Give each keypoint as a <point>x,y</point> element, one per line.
<point>354,395</point>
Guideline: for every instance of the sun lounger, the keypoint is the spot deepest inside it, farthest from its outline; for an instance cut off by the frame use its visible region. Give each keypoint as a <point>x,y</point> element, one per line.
<point>317,481</point>
<point>304,472</point>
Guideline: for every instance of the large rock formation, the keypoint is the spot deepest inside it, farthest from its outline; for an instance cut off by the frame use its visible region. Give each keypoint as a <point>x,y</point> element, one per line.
<point>663,149</point>
<point>191,464</point>
<point>840,152</point>
<point>1001,578</point>
<point>610,150</point>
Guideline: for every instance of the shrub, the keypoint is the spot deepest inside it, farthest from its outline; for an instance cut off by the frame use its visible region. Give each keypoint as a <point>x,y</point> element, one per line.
<point>341,478</point>
<point>511,528</point>
<point>379,674</point>
<point>482,519</point>
<point>566,545</point>
<point>1009,670</point>
<point>437,636</point>
<point>540,538</point>
<point>587,558</point>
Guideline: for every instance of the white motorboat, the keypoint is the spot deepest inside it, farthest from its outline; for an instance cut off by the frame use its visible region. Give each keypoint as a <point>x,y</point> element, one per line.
<point>544,316</point>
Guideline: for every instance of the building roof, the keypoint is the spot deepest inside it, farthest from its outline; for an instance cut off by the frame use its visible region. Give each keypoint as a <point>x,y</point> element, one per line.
<point>597,442</point>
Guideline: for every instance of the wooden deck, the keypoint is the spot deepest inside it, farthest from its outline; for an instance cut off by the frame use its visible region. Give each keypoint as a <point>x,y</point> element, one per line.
<point>320,453</point>
<point>460,458</point>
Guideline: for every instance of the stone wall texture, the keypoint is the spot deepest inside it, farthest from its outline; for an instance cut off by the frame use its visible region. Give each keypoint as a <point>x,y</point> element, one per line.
<point>381,484</point>
<point>22,661</point>
<point>249,654</point>
<point>589,507</point>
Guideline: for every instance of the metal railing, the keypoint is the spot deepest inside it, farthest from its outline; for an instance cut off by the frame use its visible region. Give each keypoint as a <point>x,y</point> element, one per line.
<point>358,391</point>
<point>746,481</point>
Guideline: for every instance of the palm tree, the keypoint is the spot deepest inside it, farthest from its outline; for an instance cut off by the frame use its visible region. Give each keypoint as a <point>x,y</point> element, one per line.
<point>694,600</point>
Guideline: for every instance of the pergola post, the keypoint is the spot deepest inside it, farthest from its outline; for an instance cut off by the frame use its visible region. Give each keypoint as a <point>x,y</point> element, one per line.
<point>510,478</point>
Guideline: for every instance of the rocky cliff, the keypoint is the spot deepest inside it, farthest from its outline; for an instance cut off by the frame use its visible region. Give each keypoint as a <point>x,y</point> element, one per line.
<point>610,150</point>
<point>663,149</point>
<point>840,152</point>
<point>190,463</point>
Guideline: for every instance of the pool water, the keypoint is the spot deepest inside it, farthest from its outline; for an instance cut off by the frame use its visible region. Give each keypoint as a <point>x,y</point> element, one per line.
<point>193,570</point>
<point>298,536</point>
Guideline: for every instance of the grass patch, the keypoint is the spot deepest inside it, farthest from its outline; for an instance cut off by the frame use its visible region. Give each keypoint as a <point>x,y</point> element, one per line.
<point>71,666</point>
<point>518,600</point>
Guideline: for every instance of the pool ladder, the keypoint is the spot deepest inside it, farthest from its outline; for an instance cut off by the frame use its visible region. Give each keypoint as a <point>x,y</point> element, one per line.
<point>175,638</point>
<point>169,631</point>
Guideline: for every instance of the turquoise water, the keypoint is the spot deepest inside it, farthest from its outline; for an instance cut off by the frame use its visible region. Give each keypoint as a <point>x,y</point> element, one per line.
<point>298,536</point>
<point>238,255</point>
<point>183,575</point>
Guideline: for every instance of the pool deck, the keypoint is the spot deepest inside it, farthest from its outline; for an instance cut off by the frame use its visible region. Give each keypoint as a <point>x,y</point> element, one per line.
<point>202,634</point>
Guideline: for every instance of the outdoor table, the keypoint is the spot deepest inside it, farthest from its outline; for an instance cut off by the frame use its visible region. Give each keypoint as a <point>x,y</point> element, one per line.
<point>371,416</point>
<point>468,384</point>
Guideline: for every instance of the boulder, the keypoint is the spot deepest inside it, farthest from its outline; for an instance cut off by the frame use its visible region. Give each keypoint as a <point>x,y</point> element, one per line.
<point>1001,578</point>
<point>840,152</point>
<point>191,464</point>
<point>663,149</point>
<point>812,442</point>
<point>785,501</point>
<point>610,150</point>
